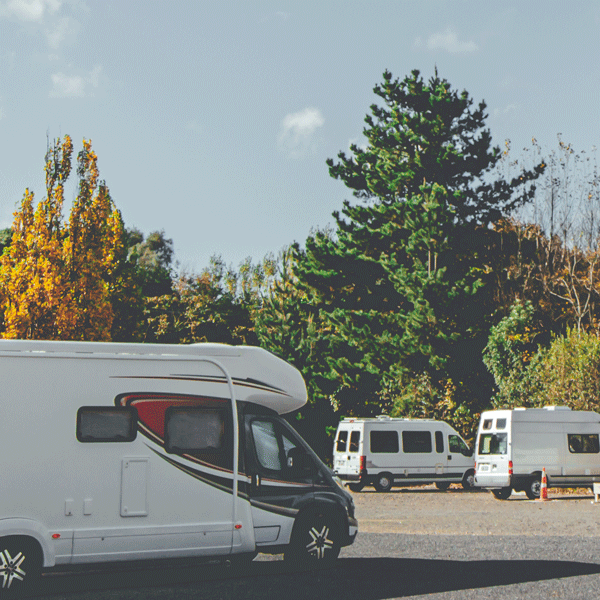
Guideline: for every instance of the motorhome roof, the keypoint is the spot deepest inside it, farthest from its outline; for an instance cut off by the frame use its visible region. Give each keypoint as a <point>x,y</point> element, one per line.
<point>67,347</point>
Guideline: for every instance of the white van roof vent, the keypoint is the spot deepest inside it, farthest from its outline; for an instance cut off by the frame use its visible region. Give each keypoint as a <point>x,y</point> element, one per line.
<point>383,418</point>
<point>557,407</point>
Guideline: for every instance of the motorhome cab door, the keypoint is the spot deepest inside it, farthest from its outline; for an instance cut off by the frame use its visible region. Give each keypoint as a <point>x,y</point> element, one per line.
<point>282,476</point>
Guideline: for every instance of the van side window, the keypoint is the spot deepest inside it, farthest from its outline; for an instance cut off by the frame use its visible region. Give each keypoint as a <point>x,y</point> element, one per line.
<point>439,442</point>
<point>354,441</point>
<point>457,445</point>
<point>193,430</point>
<point>384,442</point>
<point>583,443</point>
<point>342,441</point>
<point>416,441</point>
<point>487,424</point>
<point>500,423</point>
<point>106,424</point>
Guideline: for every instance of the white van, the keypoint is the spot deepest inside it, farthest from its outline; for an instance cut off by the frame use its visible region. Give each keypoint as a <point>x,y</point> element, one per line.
<point>513,446</point>
<point>386,452</point>
<point>117,452</point>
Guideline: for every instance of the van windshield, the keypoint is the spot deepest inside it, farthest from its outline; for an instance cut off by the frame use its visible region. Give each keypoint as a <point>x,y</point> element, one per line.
<point>492,443</point>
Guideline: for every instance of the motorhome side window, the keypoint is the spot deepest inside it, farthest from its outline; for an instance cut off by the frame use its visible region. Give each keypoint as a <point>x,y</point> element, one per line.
<point>457,445</point>
<point>384,442</point>
<point>195,430</point>
<point>487,424</point>
<point>342,441</point>
<point>493,443</point>
<point>416,441</point>
<point>106,424</point>
<point>583,443</point>
<point>500,423</point>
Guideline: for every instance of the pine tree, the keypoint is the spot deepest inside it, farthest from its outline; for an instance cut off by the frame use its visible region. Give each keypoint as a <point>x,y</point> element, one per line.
<point>398,280</point>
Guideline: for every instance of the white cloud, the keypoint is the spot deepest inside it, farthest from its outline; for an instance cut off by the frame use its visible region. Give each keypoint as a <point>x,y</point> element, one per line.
<point>448,41</point>
<point>75,86</point>
<point>59,30</point>
<point>44,18</point>
<point>297,131</point>
<point>511,108</point>
<point>29,10</point>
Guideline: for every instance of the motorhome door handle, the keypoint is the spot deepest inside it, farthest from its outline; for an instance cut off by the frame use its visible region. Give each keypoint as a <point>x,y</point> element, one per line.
<point>257,480</point>
<point>449,456</point>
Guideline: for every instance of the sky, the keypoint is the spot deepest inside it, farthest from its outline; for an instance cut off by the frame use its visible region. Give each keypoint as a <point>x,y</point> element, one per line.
<point>212,120</point>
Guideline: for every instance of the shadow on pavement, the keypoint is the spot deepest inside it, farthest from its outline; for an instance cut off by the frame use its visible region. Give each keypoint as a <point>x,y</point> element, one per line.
<point>350,579</point>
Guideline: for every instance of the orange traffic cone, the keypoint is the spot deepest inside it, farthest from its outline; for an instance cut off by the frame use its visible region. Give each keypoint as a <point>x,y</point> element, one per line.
<point>544,486</point>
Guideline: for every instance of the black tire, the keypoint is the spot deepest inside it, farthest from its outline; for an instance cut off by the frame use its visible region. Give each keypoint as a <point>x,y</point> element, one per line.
<point>534,487</point>
<point>383,482</point>
<point>468,481</point>
<point>20,565</point>
<point>502,493</point>
<point>316,539</point>
<point>442,485</point>
<point>356,486</point>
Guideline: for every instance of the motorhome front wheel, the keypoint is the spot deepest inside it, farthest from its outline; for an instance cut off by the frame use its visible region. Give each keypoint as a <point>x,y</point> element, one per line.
<point>316,537</point>
<point>20,565</point>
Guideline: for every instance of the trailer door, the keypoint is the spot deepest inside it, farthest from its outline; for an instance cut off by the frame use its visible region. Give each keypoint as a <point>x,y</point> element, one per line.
<point>282,476</point>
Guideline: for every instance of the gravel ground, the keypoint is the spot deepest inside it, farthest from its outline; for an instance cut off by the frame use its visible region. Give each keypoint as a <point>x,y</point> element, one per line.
<point>425,510</point>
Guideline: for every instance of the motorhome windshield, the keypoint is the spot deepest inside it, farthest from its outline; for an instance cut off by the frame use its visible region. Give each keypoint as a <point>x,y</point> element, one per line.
<point>492,443</point>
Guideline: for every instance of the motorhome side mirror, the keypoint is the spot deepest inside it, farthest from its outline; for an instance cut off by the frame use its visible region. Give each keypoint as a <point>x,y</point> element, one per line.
<point>467,452</point>
<point>297,459</point>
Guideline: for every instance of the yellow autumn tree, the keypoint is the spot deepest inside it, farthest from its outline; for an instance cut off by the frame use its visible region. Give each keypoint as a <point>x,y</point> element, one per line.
<point>58,276</point>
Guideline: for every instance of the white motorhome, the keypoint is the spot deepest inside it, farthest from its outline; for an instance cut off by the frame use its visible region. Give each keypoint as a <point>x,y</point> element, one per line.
<point>514,446</point>
<point>386,452</point>
<point>116,452</point>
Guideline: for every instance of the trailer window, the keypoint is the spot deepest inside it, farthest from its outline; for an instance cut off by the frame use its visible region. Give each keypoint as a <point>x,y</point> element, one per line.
<point>342,441</point>
<point>354,441</point>
<point>384,442</point>
<point>492,443</point>
<point>416,441</point>
<point>106,424</point>
<point>500,423</point>
<point>583,443</point>
<point>192,430</point>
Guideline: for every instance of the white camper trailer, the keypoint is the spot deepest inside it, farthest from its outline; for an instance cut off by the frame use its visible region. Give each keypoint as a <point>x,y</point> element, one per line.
<point>115,452</point>
<point>514,446</point>
<point>386,452</point>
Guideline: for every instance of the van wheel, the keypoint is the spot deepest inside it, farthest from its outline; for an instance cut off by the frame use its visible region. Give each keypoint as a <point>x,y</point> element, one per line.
<point>356,487</point>
<point>534,487</point>
<point>468,481</point>
<point>383,482</point>
<point>442,485</point>
<point>316,539</point>
<point>502,493</point>
<point>20,565</point>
